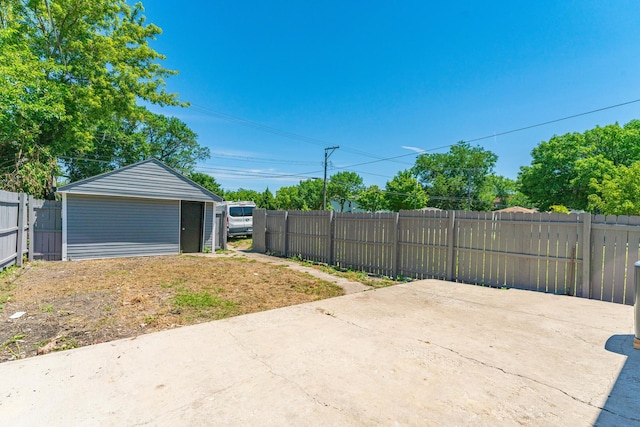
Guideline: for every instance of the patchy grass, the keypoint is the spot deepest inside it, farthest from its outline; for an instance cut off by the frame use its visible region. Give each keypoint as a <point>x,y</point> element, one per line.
<point>240,243</point>
<point>7,277</point>
<point>352,275</point>
<point>73,304</point>
<point>204,305</point>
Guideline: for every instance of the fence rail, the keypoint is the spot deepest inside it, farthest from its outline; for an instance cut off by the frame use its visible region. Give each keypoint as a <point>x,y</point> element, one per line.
<point>28,226</point>
<point>580,255</point>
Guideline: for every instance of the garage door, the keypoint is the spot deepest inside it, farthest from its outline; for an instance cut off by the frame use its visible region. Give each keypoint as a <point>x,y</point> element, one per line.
<point>113,227</point>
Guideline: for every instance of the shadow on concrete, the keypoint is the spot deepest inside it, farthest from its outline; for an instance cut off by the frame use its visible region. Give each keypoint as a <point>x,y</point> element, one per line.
<point>622,407</point>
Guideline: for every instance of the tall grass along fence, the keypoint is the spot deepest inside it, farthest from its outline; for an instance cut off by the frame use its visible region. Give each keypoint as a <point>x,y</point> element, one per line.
<point>583,255</point>
<point>29,226</point>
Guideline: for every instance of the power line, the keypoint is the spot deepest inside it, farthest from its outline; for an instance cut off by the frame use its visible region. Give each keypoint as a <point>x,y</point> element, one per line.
<point>256,174</point>
<point>268,129</point>
<point>314,141</point>
<point>622,104</point>
<point>260,159</point>
<point>573,116</point>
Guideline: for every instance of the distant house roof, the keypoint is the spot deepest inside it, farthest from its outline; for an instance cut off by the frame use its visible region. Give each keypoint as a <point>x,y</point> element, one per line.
<point>517,209</point>
<point>149,178</point>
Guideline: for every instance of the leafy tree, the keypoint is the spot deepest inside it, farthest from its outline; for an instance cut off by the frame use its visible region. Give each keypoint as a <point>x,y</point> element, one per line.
<point>242,194</point>
<point>289,198</point>
<point>498,191</point>
<point>267,201</point>
<point>170,140</point>
<point>456,180</point>
<point>88,62</point>
<point>344,186</point>
<point>563,168</point>
<point>519,199</point>
<point>311,191</point>
<point>618,193</point>
<point>27,102</point>
<point>372,199</point>
<point>118,144</point>
<point>207,181</point>
<point>404,192</point>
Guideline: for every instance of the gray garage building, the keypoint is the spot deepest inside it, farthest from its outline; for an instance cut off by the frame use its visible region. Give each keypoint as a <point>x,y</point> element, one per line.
<point>142,209</point>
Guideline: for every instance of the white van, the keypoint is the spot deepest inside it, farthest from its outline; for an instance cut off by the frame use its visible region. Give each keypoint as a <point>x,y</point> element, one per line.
<point>240,218</point>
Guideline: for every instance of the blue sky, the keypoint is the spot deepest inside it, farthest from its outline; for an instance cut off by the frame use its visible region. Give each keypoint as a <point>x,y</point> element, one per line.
<point>380,79</point>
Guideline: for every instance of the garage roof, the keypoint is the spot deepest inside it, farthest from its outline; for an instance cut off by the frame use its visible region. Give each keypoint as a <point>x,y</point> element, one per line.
<point>149,178</point>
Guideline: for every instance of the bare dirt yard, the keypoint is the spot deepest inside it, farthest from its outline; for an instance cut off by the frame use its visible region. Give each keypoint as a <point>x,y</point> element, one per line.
<point>73,304</point>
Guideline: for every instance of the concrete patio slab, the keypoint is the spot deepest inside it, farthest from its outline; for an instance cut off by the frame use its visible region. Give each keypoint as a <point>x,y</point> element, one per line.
<point>422,353</point>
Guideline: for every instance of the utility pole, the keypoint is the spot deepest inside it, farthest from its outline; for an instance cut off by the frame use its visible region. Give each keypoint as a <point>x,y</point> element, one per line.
<point>469,190</point>
<point>327,153</point>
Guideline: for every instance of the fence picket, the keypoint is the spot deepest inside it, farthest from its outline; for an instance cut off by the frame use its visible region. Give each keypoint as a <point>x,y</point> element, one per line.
<point>621,249</point>
<point>609,258</point>
<point>598,236</point>
<point>634,243</point>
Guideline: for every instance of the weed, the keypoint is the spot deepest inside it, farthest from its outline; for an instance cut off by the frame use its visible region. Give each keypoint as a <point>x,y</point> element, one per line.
<point>4,298</point>
<point>15,341</point>
<point>46,308</point>
<point>65,343</point>
<point>207,250</point>
<point>108,308</point>
<point>149,320</point>
<point>175,283</point>
<point>5,293</point>
<point>8,271</point>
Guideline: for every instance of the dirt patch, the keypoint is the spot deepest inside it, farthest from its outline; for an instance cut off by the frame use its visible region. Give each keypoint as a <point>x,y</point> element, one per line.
<point>241,243</point>
<point>73,304</point>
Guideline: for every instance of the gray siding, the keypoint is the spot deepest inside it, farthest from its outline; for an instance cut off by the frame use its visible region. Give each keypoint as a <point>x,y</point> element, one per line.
<point>208,226</point>
<point>111,227</point>
<point>148,179</point>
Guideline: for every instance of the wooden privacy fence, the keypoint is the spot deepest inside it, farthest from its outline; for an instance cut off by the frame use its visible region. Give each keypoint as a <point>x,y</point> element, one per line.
<point>13,227</point>
<point>584,255</point>
<point>29,226</point>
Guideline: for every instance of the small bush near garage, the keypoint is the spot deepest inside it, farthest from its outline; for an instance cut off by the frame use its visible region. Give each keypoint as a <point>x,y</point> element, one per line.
<point>73,304</point>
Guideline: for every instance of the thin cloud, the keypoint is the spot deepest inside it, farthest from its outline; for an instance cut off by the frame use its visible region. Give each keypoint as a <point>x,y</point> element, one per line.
<point>416,149</point>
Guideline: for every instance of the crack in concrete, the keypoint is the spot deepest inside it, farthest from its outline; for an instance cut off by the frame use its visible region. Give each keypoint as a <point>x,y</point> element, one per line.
<point>488,365</point>
<point>256,357</point>
<point>349,322</point>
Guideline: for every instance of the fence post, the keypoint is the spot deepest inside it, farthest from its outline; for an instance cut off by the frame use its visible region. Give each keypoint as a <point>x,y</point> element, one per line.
<point>586,256</point>
<point>32,222</point>
<point>21,217</point>
<point>394,260</point>
<point>450,242</point>
<point>286,234</point>
<point>224,231</point>
<point>330,237</point>
<point>636,340</point>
